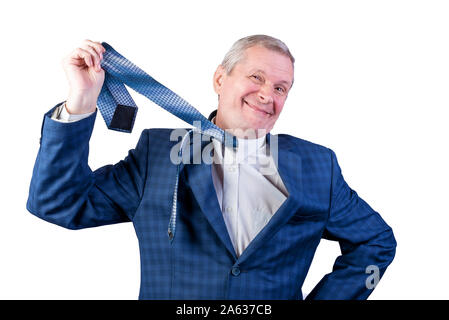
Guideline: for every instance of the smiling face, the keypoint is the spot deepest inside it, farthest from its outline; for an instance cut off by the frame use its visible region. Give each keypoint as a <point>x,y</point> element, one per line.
<point>253,94</point>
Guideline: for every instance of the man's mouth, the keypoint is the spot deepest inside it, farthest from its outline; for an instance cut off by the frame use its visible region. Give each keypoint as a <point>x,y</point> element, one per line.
<point>257,109</point>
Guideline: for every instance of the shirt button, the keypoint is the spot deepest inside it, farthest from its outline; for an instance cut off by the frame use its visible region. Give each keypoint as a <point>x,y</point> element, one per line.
<point>235,271</point>
<point>229,209</point>
<point>231,168</point>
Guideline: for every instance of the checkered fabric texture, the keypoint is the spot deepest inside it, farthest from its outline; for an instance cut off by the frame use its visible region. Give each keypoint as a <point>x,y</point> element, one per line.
<point>201,263</point>
<point>120,71</point>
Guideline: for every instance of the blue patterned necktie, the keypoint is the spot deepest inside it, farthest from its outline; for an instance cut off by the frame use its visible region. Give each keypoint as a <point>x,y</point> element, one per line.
<point>119,109</point>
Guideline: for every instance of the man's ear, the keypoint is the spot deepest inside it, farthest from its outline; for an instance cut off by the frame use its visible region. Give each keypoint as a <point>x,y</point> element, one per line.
<point>219,74</point>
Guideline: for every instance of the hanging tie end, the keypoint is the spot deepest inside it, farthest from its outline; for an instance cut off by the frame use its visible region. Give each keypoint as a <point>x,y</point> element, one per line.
<point>123,118</point>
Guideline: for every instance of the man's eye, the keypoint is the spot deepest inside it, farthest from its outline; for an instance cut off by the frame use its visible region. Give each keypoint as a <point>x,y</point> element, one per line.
<point>258,78</point>
<point>280,90</point>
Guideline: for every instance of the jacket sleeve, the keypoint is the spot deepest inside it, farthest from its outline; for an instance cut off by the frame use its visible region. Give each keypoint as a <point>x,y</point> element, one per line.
<point>367,244</point>
<point>65,191</point>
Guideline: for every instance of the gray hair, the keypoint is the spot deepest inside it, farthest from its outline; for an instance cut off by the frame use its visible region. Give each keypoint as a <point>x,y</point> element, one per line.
<point>236,53</point>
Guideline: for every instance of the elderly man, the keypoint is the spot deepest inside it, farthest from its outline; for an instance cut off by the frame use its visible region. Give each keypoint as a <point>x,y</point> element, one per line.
<point>242,232</point>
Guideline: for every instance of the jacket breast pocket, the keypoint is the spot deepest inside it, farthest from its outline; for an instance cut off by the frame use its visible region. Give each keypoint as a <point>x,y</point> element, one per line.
<point>300,218</point>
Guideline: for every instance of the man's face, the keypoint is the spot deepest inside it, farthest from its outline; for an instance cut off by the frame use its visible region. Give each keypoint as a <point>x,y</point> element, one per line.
<point>253,94</point>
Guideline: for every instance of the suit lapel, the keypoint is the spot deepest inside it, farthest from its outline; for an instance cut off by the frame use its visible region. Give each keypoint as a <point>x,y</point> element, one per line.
<point>200,180</point>
<point>289,167</point>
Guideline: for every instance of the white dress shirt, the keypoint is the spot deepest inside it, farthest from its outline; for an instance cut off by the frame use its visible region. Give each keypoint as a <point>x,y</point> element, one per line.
<point>248,194</point>
<point>248,186</point>
<point>62,115</point>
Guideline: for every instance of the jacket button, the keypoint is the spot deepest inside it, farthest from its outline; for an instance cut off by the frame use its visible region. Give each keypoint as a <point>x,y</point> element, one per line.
<point>235,271</point>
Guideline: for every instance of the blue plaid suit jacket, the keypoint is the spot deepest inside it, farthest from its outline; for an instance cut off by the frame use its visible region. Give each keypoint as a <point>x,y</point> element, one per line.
<point>201,263</point>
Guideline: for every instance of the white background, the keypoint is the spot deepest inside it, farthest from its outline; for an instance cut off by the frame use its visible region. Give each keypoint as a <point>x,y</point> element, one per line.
<point>371,82</point>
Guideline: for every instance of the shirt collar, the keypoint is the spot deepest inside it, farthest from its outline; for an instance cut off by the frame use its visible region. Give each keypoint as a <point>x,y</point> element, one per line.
<point>246,147</point>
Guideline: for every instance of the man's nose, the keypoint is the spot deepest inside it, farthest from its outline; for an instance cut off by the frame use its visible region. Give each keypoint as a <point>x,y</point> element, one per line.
<point>265,94</point>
